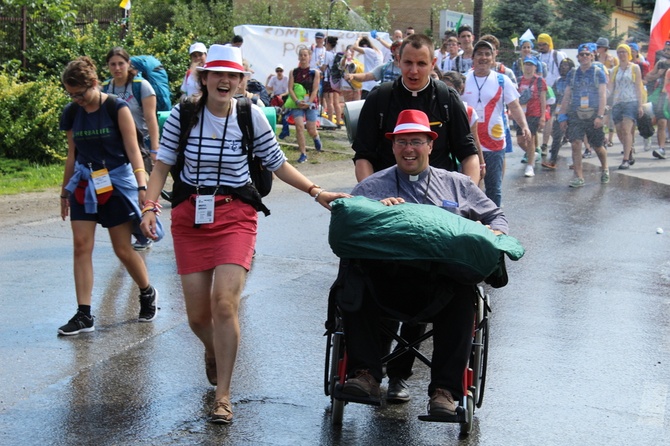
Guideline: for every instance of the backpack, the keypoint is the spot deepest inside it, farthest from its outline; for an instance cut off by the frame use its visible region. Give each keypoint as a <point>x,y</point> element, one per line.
<point>110,105</point>
<point>261,178</point>
<point>256,88</point>
<point>336,71</point>
<point>528,93</point>
<point>153,71</point>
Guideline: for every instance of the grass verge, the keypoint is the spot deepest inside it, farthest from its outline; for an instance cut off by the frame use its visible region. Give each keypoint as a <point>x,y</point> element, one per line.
<point>17,177</point>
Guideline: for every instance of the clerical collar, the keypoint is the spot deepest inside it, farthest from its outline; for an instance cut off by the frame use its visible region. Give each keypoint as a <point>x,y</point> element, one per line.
<point>414,92</point>
<point>412,178</point>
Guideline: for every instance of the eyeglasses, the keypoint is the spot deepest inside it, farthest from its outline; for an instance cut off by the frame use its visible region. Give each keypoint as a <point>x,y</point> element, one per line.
<point>583,54</point>
<point>413,143</point>
<point>78,95</point>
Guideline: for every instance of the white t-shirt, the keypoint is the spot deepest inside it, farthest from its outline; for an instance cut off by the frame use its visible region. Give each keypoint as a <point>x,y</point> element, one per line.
<point>486,96</point>
<point>279,87</point>
<point>189,86</point>
<point>318,57</point>
<point>371,59</point>
<point>552,68</point>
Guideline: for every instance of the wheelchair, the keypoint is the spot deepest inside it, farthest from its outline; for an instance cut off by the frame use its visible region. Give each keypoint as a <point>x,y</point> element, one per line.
<point>474,376</point>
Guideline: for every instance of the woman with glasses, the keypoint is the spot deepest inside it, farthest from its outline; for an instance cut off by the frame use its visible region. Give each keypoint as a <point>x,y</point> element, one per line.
<point>104,183</point>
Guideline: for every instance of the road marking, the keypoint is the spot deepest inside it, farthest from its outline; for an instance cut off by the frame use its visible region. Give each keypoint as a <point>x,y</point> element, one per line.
<point>652,410</point>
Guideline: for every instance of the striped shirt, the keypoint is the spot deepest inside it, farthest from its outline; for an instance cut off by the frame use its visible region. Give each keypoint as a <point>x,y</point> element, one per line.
<point>214,154</point>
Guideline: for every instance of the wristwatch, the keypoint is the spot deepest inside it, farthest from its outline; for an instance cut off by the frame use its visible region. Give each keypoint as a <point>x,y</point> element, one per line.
<point>600,117</point>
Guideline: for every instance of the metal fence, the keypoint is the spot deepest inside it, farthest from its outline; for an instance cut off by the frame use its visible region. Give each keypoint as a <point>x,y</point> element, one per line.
<point>15,28</point>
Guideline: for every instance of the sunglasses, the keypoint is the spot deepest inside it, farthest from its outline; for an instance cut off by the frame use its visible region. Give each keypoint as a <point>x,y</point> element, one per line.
<point>583,54</point>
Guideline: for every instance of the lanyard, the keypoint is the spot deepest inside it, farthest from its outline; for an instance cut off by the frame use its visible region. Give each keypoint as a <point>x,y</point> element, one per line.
<point>479,89</point>
<point>425,192</point>
<point>223,142</point>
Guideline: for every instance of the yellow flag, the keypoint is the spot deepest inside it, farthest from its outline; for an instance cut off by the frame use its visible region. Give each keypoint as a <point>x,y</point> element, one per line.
<point>125,4</point>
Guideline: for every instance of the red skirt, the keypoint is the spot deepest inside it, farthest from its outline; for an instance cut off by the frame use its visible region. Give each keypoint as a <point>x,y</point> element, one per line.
<point>229,240</point>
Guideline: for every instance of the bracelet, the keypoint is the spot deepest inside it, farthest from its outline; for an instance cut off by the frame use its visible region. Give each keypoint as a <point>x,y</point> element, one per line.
<point>153,151</point>
<point>482,165</point>
<point>139,170</point>
<point>312,187</point>
<point>316,197</point>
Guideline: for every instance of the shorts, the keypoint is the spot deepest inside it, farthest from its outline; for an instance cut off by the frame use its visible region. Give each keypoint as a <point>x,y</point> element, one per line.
<point>578,128</point>
<point>116,211</point>
<point>533,123</point>
<point>327,88</point>
<point>659,106</point>
<point>625,110</point>
<point>308,115</point>
<point>229,240</point>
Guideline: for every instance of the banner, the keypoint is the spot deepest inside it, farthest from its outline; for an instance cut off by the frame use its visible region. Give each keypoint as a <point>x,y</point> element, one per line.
<point>660,29</point>
<point>125,4</point>
<point>266,46</point>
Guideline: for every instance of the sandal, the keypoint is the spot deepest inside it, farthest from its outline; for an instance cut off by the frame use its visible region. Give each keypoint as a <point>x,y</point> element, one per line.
<point>609,143</point>
<point>222,413</point>
<point>210,369</point>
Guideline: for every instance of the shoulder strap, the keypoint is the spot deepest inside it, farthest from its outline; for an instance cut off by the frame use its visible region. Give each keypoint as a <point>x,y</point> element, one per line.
<point>443,96</point>
<point>555,54</point>
<point>501,83</point>
<point>246,125</point>
<point>573,71</point>
<point>384,102</point>
<point>137,90</point>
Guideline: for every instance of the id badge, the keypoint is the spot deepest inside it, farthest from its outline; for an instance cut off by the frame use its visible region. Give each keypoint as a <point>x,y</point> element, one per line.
<point>204,209</point>
<point>101,181</point>
<point>480,112</point>
<point>584,102</point>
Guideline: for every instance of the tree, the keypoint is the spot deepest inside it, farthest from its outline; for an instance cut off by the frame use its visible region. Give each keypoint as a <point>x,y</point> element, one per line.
<point>644,24</point>
<point>579,21</point>
<point>513,18</point>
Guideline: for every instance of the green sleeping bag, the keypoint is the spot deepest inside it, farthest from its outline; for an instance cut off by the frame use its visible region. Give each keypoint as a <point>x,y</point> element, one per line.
<point>469,252</point>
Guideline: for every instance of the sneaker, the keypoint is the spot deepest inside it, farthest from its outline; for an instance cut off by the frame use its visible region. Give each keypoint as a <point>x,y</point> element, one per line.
<point>524,160</point>
<point>631,161</point>
<point>577,182</point>
<point>544,149</point>
<point>340,122</point>
<point>647,144</point>
<point>398,391</point>
<point>587,153</point>
<point>167,196</point>
<point>302,158</point>
<point>317,145</point>
<point>137,246</point>
<point>624,165</point>
<point>222,413</point>
<point>362,384</point>
<point>148,302</point>
<point>80,323</point>
<point>538,154</point>
<point>659,153</point>
<point>442,403</point>
<point>529,172</point>
<point>549,164</point>
<point>605,176</point>
<point>284,132</point>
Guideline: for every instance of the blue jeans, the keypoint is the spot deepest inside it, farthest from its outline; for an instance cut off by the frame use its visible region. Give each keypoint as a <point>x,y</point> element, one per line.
<point>494,174</point>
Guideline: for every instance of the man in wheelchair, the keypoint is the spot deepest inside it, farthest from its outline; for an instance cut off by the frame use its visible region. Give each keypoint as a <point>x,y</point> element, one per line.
<point>410,290</point>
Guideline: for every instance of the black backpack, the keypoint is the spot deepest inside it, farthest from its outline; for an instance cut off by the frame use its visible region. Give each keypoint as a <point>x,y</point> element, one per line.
<point>256,88</point>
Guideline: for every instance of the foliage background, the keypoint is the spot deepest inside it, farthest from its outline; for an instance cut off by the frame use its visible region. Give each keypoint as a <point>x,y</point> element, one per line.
<point>31,97</point>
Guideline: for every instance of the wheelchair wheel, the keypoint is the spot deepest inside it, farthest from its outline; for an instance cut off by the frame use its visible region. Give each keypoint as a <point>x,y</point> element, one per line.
<point>466,426</point>
<point>480,348</point>
<point>336,358</point>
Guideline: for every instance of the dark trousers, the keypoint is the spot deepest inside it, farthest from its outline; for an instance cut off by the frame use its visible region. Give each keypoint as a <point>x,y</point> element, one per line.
<point>556,140</point>
<point>452,325</point>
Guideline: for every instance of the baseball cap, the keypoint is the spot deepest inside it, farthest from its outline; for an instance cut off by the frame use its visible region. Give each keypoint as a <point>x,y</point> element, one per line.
<point>483,44</point>
<point>532,60</point>
<point>602,41</point>
<point>319,35</point>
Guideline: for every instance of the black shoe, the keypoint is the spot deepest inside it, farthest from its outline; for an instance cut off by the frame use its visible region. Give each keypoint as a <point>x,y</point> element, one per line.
<point>398,391</point>
<point>80,323</point>
<point>362,385</point>
<point>166,195</point>
<point>148,302</point>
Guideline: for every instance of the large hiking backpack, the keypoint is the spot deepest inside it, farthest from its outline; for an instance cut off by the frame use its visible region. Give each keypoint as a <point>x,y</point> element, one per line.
<point>153,71</point>
<point>256,88</point>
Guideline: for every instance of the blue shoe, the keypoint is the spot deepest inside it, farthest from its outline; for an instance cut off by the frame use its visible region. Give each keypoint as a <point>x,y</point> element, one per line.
<point>524,160</point>
<point>302,158</point>
<point>317,145</point>
<point>284,133</point>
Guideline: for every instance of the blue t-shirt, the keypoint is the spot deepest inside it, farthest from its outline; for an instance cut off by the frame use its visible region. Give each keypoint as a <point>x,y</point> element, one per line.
<point>586,83</point>
<point>96,137</point>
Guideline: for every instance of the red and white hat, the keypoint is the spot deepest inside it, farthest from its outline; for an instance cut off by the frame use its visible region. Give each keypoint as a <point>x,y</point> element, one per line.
<point>224,58</point>
<point>412,121</point>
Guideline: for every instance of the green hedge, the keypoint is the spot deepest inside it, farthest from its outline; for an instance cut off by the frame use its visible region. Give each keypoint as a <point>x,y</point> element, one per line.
<point>29,118</point>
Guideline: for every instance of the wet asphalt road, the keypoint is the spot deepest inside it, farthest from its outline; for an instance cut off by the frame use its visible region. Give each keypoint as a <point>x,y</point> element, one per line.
<point>579,352</point>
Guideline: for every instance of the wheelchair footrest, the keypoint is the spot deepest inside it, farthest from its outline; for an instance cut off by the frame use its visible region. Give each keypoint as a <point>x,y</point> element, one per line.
<point>339,395</point>
<point>458,418</point>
